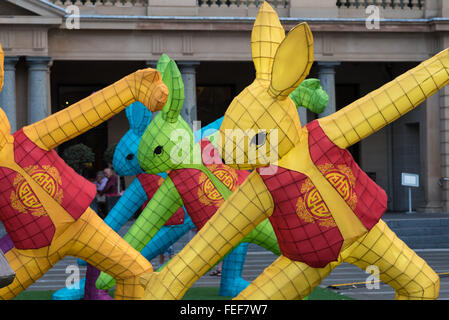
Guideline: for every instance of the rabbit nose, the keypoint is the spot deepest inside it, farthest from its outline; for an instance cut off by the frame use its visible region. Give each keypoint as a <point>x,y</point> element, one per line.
<point>130,156</point>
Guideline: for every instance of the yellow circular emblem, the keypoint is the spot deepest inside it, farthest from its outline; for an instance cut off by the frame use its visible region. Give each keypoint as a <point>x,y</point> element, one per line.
<point>312,208</point>
<point>23,197</point>
<point>207,188</point>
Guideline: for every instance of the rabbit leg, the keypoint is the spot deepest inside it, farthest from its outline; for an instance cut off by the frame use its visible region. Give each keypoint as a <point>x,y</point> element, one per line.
<point>104,249</point>
<point>28,269</point>
<point>399,266</point>
<point>231,279</point>
<point>285,279</point>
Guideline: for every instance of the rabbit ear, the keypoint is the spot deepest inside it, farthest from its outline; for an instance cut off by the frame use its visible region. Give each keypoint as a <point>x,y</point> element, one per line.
<point>162,64</point>
<point>292,61</point>
<point>266,36</point>
<point>172,78</point>
<point>139,117</point>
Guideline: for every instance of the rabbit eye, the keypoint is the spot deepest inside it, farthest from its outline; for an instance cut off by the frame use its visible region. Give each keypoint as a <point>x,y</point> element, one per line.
<point>158,150</point>
<point>259,139</point>
<point>130,156</point>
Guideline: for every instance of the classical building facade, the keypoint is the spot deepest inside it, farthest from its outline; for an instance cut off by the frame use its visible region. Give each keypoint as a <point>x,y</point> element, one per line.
<point>60,51</point>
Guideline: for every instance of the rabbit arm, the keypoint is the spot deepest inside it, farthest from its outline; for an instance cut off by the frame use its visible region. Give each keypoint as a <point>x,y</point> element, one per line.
<point>384,105</point>
<point>165,202</point>
<point>247,206</point>
<point>131,200</point>
<point>144,86</point>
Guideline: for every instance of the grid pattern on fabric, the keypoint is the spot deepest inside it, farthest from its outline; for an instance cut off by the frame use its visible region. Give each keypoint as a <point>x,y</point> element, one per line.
<point>366,198</point>
<point>311,237</point>
<point>143,85</point>
<point>199,194</point>
<point>400,267</point>
<point>5,128</point>
<point>172,78</point>
<point>285,77</point>
<point>310,95</point>
<point>26,231</point>
<point>27,269</point>
<point>166,237</point>
<point>129,202</point>
<point>213,241</point>
<point>386,104</point>
<point>260,107</point>
<point>150,183</point>
<point>266,36</point>
<point>125,161</point>
<point>412,278</point>
<point>44,176</point>
<point>24,216</point>
<point>285,279</point>
<point>78,192</point>
<point>165,202</point>
<point>198,205</point>
<point>156,149</point>
<point>105,250</point>
<point>95,243</point>
<point>254,108</point>
<point>232,282</point>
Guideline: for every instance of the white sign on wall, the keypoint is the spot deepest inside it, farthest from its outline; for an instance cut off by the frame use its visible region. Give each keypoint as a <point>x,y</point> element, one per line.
<point>410,179</point>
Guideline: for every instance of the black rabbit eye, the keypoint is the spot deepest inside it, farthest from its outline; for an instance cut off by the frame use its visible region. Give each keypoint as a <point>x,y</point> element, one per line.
<point>158,150</point>
<point>259,139</point>
<point>130,156</point>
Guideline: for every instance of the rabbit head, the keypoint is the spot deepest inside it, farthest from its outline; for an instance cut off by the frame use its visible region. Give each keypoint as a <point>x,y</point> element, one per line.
<point>168,140</point>
<point>125,155</point>
<point>263,114</point>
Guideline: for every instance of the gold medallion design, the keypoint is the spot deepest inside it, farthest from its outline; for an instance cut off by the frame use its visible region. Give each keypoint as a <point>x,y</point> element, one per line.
<point>207,192</point>
<point>24,200</point>
<point>312,208</point>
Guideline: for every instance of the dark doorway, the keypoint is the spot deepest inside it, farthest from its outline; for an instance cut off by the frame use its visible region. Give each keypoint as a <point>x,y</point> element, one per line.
<point>95,138</point>
<point>212,101</point>
<point>345,94</point>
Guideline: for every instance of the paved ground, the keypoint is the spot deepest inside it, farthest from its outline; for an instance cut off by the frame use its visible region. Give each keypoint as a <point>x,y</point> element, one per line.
<point>258,259</point>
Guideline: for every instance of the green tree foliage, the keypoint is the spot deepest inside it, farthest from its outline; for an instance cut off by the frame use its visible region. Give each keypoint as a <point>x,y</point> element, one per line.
<point>79,157</point>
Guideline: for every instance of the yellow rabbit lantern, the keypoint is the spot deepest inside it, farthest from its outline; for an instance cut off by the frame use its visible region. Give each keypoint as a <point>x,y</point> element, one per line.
<point>324,209</point>
<point>44,204</point>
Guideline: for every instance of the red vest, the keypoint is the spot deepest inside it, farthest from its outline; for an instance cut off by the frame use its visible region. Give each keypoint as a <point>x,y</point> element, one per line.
<point>23,215</point>
<point>201,198</point>
<point>150,184</point>
<point>301,220</point>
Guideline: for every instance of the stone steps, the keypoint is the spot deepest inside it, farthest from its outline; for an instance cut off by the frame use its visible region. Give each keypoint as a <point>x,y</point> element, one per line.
<point>419,231</point>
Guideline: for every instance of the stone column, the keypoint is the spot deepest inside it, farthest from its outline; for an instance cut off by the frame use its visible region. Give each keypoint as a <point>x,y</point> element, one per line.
<point>302,115</point>
<point>152,64</point>
<point>8,94</point>
<point>326,73</point>
<point>430,155</point>
<point>38,88</point>
<point>188,72</point>
<point>444,146</point>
